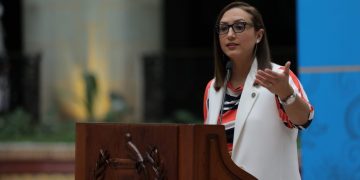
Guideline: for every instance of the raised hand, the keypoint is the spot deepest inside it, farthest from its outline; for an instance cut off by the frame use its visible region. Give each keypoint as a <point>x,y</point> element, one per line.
<point>277,83</point>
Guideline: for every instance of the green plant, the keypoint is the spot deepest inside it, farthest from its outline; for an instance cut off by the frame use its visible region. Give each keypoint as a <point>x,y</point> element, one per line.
<point>17,126</point>
<point>180,116</point>
<point>91,90</point>
<point>185,117</point>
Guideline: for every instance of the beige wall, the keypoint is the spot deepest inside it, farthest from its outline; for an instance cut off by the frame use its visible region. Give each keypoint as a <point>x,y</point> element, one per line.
<point>107,37</point>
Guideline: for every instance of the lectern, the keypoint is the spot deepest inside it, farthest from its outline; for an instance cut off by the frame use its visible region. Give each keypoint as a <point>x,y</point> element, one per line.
<point>153,151</point>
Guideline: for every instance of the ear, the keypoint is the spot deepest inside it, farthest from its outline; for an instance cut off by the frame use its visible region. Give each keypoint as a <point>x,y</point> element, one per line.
<point>259,35</point>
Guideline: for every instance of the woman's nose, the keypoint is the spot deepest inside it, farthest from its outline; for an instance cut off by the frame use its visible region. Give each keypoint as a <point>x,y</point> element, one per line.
<point>231,32</point>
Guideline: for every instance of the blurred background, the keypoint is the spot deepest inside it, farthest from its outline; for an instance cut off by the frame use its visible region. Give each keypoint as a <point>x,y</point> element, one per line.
<point>138,61</point>
<point>147,60</point>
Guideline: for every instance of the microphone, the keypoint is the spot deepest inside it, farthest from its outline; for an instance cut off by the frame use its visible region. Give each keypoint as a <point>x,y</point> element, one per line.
<point>227,77</point>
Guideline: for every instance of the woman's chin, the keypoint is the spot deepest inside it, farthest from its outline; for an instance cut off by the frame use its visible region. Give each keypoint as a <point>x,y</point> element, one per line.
<point>233,55</point>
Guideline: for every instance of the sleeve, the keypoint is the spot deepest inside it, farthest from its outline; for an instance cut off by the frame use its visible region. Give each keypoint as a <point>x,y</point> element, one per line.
<point>298,88</point>
<point>206,101</point>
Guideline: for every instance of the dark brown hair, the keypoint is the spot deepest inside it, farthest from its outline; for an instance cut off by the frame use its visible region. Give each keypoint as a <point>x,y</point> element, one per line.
<point>262,49</point>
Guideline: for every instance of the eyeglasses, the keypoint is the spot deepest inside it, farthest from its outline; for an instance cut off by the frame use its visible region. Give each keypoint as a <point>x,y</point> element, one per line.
<point>237,27</point>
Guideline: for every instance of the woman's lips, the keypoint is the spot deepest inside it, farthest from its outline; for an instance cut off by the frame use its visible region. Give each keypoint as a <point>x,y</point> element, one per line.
<point>232,45</point>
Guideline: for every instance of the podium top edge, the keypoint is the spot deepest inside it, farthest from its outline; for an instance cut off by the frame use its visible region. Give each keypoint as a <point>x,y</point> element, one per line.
<point>140,124</point>
<point>136,124</point>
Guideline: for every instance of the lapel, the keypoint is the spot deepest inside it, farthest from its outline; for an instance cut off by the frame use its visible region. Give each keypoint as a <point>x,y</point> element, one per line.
<point>248,98</point>
<point>215,103</point>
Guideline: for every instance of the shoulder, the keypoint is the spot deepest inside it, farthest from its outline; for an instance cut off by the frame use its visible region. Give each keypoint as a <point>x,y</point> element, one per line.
<point>210,84</point>
<point>208,87</point>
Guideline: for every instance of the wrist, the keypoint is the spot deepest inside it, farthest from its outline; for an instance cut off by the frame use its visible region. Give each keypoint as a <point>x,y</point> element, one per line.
<point>288,100</point>
<point>288,92</point>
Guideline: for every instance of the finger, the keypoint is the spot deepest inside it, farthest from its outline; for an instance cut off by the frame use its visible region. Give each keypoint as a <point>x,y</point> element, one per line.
<point>287,68</point>
<point>263,81</point>
<point>273,73</point>
<point>267,76</point>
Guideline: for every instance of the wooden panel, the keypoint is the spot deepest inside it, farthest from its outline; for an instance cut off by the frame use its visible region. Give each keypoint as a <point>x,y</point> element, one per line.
<point>213,160</point>
<point>111,137</point>
<point>186,152</point>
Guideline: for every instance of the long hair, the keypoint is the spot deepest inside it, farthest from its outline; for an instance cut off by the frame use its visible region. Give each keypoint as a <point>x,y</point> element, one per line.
<point>261,49</point>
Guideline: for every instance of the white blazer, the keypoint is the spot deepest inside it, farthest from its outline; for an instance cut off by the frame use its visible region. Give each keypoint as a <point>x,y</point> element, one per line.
<point>263,145</point>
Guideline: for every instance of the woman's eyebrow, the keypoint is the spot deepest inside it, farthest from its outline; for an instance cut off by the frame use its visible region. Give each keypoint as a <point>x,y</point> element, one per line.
<point>238,20</point>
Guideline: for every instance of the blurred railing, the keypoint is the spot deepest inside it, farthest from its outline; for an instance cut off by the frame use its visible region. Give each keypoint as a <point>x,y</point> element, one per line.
<point>18,160</point>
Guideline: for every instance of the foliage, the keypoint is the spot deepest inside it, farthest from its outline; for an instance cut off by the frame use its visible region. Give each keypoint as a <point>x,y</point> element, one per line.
<point>18,126</point>
<point>118,108</point>
<point>91,90</point>
<point>181,116</point>
<point>185,117</point>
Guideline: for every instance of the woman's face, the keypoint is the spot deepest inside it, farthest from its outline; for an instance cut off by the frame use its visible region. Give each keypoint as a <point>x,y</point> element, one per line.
<point>238,44</point>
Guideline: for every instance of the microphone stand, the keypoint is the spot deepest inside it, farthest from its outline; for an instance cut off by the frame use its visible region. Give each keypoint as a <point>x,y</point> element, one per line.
<point>228,74</point>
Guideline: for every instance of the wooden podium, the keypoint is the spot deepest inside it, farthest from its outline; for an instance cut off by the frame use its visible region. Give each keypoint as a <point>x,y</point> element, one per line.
<point>153,151</point>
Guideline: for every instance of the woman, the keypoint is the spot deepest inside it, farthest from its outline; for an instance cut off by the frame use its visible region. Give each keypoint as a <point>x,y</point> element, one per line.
<point>264,103</point>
